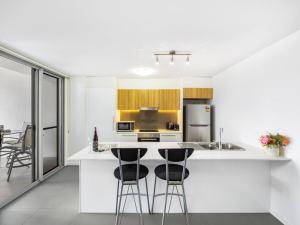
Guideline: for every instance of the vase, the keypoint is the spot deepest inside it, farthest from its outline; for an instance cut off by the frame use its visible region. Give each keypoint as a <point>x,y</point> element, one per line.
<point>273,152</point>
<point>281,151</point>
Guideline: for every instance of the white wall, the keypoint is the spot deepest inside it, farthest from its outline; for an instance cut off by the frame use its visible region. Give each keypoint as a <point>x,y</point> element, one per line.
<point>15,98</point>
<point>196,82</point>
<point>164,83</point>
<point>261,94</point>
<point>77,118</point>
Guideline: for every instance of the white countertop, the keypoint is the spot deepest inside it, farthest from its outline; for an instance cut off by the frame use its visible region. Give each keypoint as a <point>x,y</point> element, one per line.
<point>251,153</point>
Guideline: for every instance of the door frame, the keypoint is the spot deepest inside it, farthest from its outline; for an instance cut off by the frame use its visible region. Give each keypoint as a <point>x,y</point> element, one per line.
<point>60,128</point>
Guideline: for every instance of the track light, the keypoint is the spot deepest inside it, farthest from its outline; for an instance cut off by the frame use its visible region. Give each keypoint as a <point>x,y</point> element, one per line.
<point>187,60</point>
<point>157,60</point>
<point>172,53</point>
<point>172,60</point>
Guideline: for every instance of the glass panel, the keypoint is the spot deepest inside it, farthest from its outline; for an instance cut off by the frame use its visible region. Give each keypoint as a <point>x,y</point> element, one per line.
<point>50,122</point>
<point>49,101</point>
<point>16,132</point>
<point>49,150</point>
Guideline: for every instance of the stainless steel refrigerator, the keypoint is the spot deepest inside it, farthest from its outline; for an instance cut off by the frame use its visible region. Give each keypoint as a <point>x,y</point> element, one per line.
<point>197,123</point>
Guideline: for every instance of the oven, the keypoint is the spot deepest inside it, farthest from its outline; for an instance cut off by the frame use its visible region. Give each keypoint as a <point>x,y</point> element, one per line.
<point>148,137</point>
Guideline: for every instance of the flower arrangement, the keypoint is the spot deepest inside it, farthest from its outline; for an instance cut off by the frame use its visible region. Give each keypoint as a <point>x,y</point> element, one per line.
<point>274,141</point>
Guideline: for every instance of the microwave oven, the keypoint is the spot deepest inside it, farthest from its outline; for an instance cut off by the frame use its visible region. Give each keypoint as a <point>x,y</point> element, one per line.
<point>125,126</point>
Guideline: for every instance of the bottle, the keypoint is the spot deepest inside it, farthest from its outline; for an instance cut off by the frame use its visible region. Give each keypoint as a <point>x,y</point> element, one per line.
<point>95,140</point>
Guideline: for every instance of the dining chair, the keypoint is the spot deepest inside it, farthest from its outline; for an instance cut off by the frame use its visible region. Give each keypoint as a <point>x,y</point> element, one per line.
<point>19,155</point>
<point>3,152</point>
<point>13,139</point>
<point>1,134</point>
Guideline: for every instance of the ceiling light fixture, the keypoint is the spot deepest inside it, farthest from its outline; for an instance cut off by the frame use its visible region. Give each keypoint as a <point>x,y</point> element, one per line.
<point>157,60</point>
<point>187,62</point>
<point>172,60</point>
<point>173,53</point>
<point>143,71</point>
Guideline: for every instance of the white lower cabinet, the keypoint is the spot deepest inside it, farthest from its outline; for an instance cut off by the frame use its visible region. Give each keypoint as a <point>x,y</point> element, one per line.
<point>170,137</point>
<point>126,137</point>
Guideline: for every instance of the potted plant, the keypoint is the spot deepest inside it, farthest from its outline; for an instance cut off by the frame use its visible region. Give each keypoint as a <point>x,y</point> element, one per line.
<point>275,143</point>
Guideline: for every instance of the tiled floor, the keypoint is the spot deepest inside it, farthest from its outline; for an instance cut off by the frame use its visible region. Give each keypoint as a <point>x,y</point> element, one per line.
<point>55,202</point>
<point>19,180</point>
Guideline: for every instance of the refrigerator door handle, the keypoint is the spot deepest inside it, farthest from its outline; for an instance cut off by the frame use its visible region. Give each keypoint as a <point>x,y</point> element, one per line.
<point>199,125</point>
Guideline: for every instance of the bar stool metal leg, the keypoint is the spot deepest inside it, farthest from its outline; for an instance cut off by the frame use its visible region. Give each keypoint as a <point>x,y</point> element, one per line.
<point>165,207</point>
<point>147,193</point>
<point>125,200</point>
<point>119,205</point>
<point>171,198</point>
<point>185,205</point>
<point>117,197</point>
<point>182,210</point>
<point>153,195</point>
<point>140,203</point>
<point>132,192</point>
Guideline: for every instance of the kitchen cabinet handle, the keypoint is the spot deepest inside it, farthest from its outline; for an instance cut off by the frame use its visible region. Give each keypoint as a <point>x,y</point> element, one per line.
<point>198,125</point>
<point>129,135</point>
<point>148,139</point>
<point>169,135</point>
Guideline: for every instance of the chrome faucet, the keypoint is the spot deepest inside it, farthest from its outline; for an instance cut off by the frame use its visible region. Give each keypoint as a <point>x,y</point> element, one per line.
<point>220,138</point>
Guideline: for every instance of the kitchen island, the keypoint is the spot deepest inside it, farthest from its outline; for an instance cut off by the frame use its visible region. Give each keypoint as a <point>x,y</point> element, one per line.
<point>219,181</point>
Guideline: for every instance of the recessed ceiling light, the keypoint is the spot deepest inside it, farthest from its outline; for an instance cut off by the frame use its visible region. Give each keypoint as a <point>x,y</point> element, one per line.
<point>143,71</point>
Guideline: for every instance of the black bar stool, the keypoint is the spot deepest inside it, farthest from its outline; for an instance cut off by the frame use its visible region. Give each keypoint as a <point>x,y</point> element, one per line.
<point>129,174</point>
<point>174,174</point>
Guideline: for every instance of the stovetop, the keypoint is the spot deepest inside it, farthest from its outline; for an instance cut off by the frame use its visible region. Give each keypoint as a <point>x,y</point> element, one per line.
<point>148,130</point>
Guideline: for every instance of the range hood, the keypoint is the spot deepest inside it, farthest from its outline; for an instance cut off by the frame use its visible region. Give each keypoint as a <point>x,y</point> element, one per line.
<point>149,108</point>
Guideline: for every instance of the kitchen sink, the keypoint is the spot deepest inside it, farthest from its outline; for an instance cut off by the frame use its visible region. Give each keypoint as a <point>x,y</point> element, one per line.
<point>211,146</point>
<point>225,146</point>
<point>229,146</point>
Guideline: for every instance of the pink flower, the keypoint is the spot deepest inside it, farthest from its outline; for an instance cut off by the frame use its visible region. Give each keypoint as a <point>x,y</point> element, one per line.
<point>265,139</point>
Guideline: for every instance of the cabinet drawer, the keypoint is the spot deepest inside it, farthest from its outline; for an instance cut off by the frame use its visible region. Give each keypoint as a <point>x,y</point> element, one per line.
<point>169,137</point>
<point>126,137</point>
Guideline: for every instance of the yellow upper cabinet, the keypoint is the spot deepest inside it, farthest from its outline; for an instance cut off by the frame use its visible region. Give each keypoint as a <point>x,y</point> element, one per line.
<point>198,93</point>
<point>169,99</point>
<point>133,99</point>
<point>152,98</point>
<point>122,99</point>
<point>128,99</point>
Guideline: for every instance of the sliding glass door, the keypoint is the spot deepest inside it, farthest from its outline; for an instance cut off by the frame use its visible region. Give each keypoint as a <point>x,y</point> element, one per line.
<point>17,129</point>
<point>31,125</point>
<point>51,125</point>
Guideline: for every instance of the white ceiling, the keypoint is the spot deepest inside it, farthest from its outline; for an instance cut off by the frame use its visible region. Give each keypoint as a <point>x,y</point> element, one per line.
<point>109,38</point>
